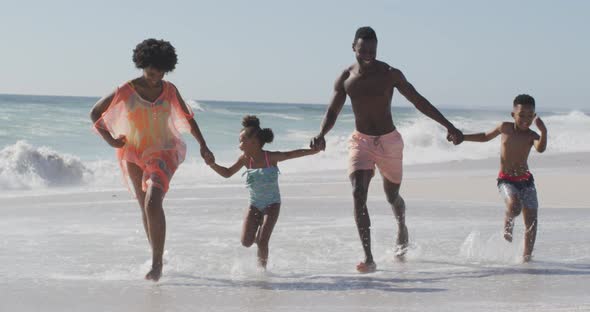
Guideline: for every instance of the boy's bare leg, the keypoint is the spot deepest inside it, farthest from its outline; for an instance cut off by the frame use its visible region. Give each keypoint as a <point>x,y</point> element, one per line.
<point>513,208</point>
<point>136,174</point>
<point>399,210</point>
<point>156,223</point>
<point>265,231</point>
<point>530,234</point>
<point>360,180</point>
<point>252,221</point>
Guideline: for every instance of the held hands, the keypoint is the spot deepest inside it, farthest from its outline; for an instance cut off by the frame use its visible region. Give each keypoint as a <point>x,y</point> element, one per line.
<point>318,143</point>
<point>207,155</point>
<point>455,135</point>
<point>540,124</point>
<point>118,142</point>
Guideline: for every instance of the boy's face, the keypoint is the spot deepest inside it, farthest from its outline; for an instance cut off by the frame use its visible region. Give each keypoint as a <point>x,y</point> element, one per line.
<point>365,51</point>
<point>523,116</point>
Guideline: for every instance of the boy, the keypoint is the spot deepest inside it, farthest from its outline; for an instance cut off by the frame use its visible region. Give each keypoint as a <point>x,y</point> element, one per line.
<point>515,181</point>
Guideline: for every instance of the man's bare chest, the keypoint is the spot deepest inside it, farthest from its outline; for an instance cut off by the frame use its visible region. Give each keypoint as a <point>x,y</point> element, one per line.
<point>359,86</point>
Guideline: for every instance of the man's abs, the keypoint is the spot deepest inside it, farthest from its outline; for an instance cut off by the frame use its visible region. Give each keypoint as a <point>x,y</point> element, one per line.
<point>372,115</point>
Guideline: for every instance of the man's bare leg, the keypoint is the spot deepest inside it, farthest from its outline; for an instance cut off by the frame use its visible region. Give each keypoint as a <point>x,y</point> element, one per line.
<point>530,233</point>
<point>399,210</point>
<point>360,180</point>
<point>156,223</point>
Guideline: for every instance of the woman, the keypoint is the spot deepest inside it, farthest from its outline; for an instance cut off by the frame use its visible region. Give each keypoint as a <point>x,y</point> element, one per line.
<point>142,120</point>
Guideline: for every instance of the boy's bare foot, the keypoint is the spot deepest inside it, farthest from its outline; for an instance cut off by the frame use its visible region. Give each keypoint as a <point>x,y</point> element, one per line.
<point>154,274</point>
<point>366,267</point>
<point>508,237</point>
<point>527,258</point>
<point>508,227</point>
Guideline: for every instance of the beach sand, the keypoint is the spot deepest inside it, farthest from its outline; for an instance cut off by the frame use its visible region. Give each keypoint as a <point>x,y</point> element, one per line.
<point>87,251</point>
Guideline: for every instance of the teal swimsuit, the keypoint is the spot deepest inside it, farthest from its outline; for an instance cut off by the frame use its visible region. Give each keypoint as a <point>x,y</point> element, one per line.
<point>263,184</point>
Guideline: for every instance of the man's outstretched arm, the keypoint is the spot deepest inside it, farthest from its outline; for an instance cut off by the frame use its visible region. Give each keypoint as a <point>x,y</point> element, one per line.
<point>424,106</point>
<point>336,104</point>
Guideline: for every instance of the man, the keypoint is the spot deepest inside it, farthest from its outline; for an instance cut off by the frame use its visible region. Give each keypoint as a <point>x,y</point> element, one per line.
<point>370,84</point>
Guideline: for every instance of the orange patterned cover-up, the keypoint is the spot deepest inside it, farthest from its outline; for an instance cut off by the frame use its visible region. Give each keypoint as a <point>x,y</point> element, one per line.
<point>152,131</point>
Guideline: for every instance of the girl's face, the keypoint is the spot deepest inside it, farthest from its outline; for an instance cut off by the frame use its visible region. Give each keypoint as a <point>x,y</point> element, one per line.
<point>248,144</point>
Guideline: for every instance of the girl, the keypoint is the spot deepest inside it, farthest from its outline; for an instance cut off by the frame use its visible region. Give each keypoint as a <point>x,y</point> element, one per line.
<point>262,182</point>
<point>142,120</point>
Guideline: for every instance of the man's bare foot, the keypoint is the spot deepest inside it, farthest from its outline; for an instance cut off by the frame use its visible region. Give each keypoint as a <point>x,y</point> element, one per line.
<point>402,241</point>
<point>366,267</point>
<point>508,237</point>
<point>527,258</point>
<point>154,274</point>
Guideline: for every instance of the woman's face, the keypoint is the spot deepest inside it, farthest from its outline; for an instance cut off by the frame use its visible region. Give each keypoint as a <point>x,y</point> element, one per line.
<point>153,75</point>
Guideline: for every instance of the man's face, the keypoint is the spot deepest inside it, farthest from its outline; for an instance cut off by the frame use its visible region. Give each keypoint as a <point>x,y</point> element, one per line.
<point>523,116</point>
<point>365,51</point>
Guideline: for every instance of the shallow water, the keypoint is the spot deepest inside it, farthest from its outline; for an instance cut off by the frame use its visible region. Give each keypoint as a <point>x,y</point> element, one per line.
<point>87,251</point>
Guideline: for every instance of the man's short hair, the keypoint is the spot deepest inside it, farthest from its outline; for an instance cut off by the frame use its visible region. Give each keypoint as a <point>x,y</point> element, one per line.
<point>365,32</point>
<point>524,99</point>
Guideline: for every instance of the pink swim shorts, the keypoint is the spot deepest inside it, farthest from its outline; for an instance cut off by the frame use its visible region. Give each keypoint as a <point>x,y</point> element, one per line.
<point>385,151</point>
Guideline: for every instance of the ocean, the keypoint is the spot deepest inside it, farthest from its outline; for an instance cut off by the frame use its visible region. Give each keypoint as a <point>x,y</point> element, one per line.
<point>47,142</point>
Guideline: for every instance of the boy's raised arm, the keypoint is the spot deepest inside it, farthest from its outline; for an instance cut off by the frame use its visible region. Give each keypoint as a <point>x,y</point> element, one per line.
<point>228,172</point>
<point>484,136</point>
<point>541,142</point>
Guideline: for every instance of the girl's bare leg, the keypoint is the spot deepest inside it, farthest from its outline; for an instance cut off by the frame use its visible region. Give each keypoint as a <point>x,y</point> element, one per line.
<point>268,224</point>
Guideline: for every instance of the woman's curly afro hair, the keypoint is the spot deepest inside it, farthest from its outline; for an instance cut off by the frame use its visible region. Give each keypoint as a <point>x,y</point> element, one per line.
<point>154,53</point>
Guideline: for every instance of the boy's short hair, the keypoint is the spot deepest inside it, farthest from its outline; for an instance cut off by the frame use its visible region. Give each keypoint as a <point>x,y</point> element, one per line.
<point>524,99</point>
<point>365,32</point>
<point>158,54</point>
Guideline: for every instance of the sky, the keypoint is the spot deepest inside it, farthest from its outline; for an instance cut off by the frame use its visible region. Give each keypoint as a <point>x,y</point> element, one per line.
<point>478,54</point>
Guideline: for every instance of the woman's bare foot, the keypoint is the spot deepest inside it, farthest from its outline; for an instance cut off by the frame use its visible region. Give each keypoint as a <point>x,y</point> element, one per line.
<point>366,267</point>
<point>262,263</point>
<point>155,273</point>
